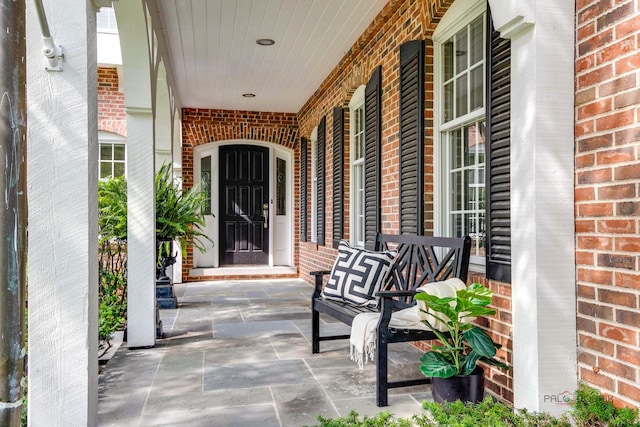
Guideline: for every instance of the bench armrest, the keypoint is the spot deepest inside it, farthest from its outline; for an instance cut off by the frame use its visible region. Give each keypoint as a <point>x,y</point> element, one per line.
<point>320,272</point>
<point>318,281</point>
<point>386,305</point>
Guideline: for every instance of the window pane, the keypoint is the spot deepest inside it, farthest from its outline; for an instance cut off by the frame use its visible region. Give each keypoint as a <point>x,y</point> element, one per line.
<point>105,170</point>
<point>461,51</point>
<point>456,149</point>
<point>205,183</point>
<point>477,38</point>
<point>457,229</point>
<point>105,151</point>
<point>281,187</point>
<point>470,197</point>
<point>447,51</point>
<point>448,102</point>
<point>477,88</point>
<point>118,152</point>
<point>359,215</point>
<point>359,133</point>
<point>118,169</point>
<point>461,95</point>
<point>457,192</point>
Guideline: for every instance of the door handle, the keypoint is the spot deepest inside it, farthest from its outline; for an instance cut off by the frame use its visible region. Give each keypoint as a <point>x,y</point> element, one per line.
<point>265,213</point>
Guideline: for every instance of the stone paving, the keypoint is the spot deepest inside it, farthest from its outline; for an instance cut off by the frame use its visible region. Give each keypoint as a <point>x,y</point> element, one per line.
<point>238,353</point>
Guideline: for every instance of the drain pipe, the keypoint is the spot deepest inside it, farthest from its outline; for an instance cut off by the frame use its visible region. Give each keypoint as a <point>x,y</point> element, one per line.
<point>51,51</point>
<point>13,208</point>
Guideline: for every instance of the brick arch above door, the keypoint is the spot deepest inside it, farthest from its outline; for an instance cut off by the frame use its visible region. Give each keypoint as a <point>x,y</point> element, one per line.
<point>201,126</point>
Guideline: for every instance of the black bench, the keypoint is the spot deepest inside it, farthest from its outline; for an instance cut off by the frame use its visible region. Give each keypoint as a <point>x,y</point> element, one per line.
<point>420,260</point>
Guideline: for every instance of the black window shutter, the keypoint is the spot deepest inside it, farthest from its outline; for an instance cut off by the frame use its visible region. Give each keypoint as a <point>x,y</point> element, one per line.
<point>320,226</point>
<point>373,142</point>
<point>498,243</point>
<point>412,137</point>
<point>303,189</point>
<point>338,175</point>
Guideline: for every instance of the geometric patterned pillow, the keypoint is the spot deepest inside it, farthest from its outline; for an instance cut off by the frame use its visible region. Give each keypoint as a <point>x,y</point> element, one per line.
<point>357,274</point>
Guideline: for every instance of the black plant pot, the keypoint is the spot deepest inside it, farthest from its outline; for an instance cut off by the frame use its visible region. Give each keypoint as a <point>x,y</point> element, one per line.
<point>166,258</point>
<point>467,388</point>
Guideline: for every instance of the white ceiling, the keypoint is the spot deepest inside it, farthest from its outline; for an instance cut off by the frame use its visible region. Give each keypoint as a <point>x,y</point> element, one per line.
<point>215,58</point>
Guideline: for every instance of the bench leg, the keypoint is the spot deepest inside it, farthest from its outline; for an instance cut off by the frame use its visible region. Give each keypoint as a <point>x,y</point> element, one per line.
<point>381,372</point>
<point>315,332</point>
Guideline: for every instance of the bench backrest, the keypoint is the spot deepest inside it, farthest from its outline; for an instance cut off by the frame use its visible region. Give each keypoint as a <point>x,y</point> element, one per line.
<point>424,259</point>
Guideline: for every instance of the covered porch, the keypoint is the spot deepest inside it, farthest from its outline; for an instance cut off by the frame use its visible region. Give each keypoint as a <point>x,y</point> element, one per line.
<point>214,318</point>
<point>237,353</point>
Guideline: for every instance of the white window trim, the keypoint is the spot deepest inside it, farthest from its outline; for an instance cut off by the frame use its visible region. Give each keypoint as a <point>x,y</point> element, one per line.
<point>460,14</point>
<point>314,185</point>
<point>357,101</point>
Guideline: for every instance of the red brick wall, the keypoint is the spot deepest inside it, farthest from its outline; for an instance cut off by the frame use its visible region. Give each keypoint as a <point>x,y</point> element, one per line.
<point>607,196</point>
<point>398,22</point>
<point>201,126</point>
<point>111,112</point>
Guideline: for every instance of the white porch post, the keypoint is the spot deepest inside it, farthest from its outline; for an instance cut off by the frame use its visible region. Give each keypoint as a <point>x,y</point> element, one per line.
<point>62,173</point>
<point>141,297</point>
<point>164,125</point>
<point>542,209</point>
<point>141,300</point>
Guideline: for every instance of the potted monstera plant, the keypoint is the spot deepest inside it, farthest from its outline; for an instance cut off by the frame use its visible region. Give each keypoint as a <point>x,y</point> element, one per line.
<point>453,364</point>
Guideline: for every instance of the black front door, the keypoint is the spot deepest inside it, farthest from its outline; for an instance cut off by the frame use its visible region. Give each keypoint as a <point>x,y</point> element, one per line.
<point>244,194</point>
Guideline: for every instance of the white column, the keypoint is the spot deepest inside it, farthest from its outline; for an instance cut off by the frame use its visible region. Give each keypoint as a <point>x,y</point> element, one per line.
<point>542,209</point>
<point>141,297</point>
<point>164,123</point>
<point>63,231</point>
<point>135,47</point>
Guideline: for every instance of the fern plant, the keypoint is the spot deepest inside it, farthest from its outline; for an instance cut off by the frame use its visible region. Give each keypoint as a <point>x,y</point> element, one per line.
<point>179,214</point>
<point>112,209</point>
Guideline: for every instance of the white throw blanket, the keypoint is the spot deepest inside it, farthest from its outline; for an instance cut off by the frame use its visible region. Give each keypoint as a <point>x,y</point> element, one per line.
<point>363,328</point>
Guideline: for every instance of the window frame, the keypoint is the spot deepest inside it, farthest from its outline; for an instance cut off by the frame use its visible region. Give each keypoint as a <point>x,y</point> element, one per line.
<point>460,15</point>
<point>357,216</point>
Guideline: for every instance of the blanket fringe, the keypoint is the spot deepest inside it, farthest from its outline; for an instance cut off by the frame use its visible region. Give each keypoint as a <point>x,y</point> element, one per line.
<point>361,358</point>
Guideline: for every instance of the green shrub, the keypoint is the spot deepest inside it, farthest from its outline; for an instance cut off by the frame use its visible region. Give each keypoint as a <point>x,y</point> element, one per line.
<point>383,419</point>
<point>486,413</point>
<point>112,309</point>
<point>112,250</point>
<point>591,409</point>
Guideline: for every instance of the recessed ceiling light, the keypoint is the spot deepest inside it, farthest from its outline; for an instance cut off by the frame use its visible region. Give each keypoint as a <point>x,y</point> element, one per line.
<point>265,42</point>
<point>249,95</point>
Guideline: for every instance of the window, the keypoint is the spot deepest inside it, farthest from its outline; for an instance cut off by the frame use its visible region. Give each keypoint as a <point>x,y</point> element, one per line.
<point>356,138</point>
<point>112,155</point>
<point>460,77</point>
<point>314,185</point>
<point>106,20</point>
